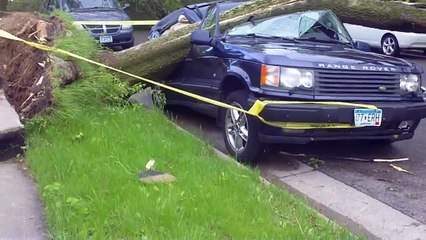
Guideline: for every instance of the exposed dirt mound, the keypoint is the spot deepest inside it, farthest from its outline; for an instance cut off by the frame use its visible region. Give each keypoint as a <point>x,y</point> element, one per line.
<point>23,69</point>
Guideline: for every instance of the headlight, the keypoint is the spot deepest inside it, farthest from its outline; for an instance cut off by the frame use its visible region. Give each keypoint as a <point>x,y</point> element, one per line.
<point>126,26</point>
<point>288,78</point>
<point>410,82</point>
<point>307,79</point>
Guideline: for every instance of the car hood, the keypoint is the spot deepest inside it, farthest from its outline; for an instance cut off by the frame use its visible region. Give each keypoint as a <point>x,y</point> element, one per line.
<point>99,15</point>
<point>321,56</point>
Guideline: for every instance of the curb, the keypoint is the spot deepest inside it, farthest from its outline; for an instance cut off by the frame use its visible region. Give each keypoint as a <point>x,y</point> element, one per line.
<point>354,209</point>
<point>342,220</point>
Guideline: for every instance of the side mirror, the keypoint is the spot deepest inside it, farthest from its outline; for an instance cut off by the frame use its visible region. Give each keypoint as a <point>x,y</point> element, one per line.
<point>362,46</point>
<point>201,37</point>
<point>125,6</point>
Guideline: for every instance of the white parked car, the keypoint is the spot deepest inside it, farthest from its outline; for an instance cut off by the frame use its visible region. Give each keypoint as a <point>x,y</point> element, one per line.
<point>390,42</point>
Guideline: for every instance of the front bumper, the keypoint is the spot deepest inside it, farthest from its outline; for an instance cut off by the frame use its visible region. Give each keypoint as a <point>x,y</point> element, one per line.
<point>394,113</point>
<point>122,38</point>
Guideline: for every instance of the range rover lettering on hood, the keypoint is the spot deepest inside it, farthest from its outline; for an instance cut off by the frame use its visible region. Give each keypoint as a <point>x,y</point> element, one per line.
<point>355,67</point>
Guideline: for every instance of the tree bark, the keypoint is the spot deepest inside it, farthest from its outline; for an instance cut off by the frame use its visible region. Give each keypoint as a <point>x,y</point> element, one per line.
<point>3,5</point>
<point>157,59</point>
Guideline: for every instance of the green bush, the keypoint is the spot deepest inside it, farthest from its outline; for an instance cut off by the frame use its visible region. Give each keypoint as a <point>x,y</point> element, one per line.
<point>24,5</point>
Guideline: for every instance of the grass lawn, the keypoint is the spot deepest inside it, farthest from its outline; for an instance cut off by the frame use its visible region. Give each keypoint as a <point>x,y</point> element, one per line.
<point>87,170</point>
<point>86,156</point>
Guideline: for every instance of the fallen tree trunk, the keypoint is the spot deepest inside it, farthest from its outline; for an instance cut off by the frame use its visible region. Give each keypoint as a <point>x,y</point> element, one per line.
<point>25,71</point>
<point>157,59</point>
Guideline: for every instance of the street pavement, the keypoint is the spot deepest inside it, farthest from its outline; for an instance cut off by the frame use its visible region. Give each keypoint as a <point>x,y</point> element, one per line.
<point>140,36</point>
<point>402,191</point>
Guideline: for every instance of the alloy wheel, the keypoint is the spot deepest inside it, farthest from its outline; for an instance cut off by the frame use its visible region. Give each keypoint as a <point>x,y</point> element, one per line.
<point>389,46</point>
<point>237,128</point>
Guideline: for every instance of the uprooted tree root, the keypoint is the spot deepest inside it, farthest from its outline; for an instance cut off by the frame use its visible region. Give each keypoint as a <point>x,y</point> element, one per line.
<point>24,70</point>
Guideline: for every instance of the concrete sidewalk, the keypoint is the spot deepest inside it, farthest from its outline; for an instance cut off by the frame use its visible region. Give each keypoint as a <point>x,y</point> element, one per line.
<point>21,215</point>
<point>9,119</point>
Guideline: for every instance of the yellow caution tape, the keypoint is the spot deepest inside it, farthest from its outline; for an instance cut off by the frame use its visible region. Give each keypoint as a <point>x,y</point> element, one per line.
<point>260,105</point>
<point>126,23</point>
<point>255,110</point>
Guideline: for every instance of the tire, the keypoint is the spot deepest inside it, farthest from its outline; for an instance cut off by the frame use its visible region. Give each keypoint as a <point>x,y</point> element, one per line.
<point>241,136</point>
<point>390,45</point>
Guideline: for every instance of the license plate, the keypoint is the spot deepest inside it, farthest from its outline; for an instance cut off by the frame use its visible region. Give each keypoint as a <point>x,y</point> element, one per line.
<point>368,117</point>
<point>105,39</point>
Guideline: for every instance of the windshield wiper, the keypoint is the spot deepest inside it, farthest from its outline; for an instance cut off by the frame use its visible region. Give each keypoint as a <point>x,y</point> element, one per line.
<point>263,36</point>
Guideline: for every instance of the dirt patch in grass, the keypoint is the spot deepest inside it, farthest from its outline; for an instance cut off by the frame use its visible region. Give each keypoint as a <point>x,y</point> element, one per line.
<point>24,70</point>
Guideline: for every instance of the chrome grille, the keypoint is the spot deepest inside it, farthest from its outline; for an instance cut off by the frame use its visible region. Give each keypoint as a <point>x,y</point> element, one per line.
<point>102,29</point>
<point>113,28</point>
<point>356,83</point>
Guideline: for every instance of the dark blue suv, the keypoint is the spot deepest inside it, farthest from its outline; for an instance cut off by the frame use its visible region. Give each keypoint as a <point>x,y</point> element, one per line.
<point>315,83</point>
<point>99,10</point>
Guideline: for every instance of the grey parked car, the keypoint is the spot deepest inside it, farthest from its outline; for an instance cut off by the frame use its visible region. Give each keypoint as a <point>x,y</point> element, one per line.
<point>99,10</point>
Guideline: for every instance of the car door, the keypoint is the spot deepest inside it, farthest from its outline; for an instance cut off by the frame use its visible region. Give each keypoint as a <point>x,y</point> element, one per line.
<point>201,66</point>
<point>369,35</point>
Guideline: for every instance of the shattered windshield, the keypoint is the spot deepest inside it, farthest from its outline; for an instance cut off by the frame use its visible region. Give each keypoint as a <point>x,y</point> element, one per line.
<point>71,5</point>
<point>313,26</point>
